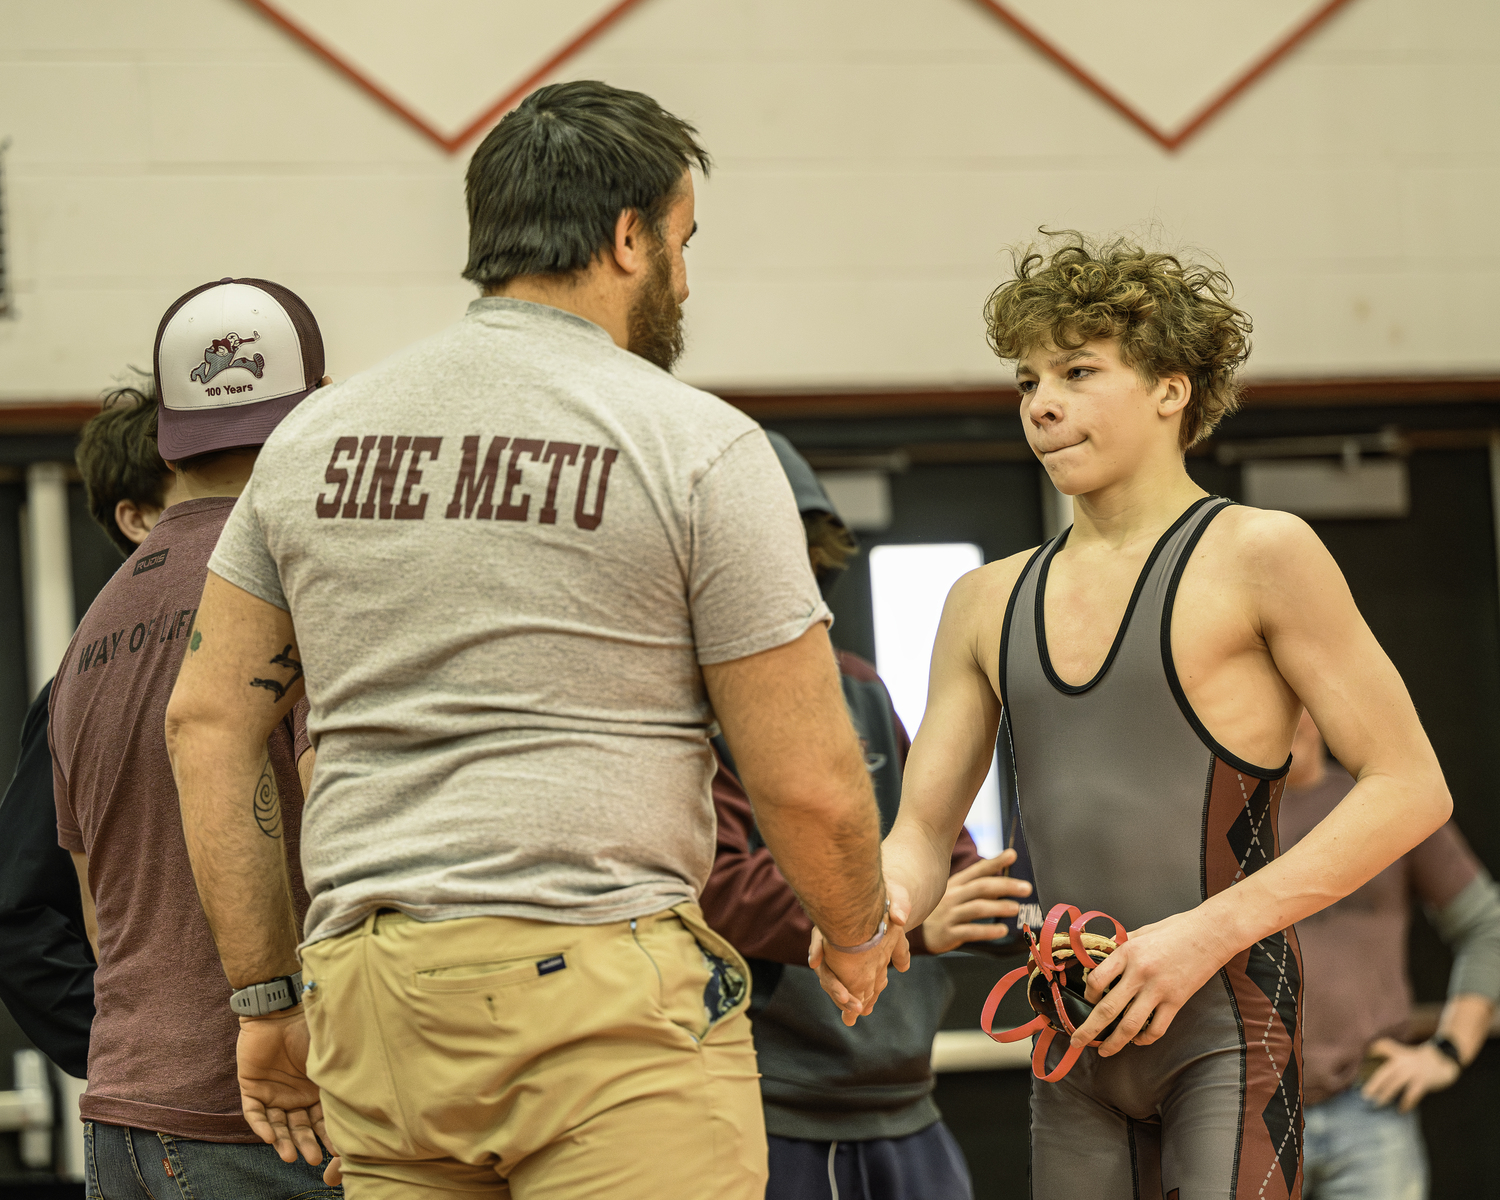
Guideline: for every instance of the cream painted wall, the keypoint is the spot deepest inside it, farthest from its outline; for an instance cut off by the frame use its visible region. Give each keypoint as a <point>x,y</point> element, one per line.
<point>874,158</point>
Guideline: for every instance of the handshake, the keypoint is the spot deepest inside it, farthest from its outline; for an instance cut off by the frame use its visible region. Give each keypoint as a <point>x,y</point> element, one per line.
<point>854,976</point>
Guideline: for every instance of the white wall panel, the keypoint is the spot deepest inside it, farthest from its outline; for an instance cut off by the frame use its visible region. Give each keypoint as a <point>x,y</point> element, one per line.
<point>875,159</point>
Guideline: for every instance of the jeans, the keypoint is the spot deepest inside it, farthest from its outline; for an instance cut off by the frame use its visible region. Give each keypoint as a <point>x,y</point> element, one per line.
<point>1355,1151</point>
<point>924,1166</point>
<point>135,1164</point>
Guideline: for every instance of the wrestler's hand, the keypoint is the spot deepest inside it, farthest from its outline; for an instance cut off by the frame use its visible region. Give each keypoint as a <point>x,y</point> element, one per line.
<point>975,892</point>
<point>1154,974</point>
<point>855,981</point>
<point>281,1104</point>
<point>1409,1072</point>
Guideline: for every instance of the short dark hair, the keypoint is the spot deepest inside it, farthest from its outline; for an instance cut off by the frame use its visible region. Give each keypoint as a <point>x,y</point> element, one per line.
<point>548,184</point>
<point>118,459</point>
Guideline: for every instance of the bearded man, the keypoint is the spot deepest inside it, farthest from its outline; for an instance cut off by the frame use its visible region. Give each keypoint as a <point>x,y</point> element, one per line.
<point>515,567</point>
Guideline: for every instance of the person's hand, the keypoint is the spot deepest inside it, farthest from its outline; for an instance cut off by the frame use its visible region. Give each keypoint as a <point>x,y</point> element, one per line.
<point>281,1104</point>
<point>1409,1072</point>
<point>333,1173</point>
<point>854,981</point>
<point>1154,973</point>
<point>975,892</point>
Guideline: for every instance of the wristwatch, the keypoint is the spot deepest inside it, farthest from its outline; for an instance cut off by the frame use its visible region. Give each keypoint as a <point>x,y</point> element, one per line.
<point>1445,1047</point>
<point>260,999</point>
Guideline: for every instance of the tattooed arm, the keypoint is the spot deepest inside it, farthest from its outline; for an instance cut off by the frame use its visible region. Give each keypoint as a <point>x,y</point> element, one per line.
<point>240,677</point>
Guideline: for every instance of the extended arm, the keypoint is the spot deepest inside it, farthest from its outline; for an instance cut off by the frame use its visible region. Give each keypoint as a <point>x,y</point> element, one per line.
<point>784,717</point>
<point>749,901</point>
<point>953,748</point>
<point>241,676</point>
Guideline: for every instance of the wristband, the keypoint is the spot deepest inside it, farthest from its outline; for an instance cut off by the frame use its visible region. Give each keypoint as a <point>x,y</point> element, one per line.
<point>261,999</point>
<point>1445,1047</point>
<point>869,943</point>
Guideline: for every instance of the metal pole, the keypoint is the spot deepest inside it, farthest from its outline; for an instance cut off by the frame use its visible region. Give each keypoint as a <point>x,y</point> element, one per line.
<point>49,571</point>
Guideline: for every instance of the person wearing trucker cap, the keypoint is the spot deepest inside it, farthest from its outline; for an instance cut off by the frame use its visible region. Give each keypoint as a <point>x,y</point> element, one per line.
<point>162,1111</point>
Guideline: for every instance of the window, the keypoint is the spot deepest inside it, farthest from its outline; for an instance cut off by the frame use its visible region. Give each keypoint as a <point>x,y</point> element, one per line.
<point>908,585</point>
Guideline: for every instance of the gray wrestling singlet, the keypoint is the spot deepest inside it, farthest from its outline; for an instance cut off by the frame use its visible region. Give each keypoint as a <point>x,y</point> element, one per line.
<point>1129,806</point>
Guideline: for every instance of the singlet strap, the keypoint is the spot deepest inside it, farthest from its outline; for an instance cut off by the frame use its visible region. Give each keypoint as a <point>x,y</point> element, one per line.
<point>1010,609</point>
<point>1169,601</point>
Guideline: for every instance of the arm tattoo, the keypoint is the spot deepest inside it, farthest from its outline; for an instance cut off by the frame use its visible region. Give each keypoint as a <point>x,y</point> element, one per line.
<point>284,659</point>
<point>267,802</point>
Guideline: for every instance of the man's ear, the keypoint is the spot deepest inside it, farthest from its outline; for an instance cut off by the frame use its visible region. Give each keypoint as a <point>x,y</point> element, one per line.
<point>631,249</point>
<point>135,521</point>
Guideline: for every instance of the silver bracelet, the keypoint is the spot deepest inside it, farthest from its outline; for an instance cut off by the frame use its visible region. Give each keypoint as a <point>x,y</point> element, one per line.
<point>870,943</point>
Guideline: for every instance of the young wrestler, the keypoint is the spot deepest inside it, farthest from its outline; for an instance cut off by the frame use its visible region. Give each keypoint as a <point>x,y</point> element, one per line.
<point>1151,663</point>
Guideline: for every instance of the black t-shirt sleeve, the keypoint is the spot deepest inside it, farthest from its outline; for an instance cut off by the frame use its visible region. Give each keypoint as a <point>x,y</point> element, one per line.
<point>46,964</point>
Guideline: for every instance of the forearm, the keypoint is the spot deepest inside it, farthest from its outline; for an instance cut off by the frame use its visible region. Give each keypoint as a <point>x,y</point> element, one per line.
<point>231,816</point>
<point>1381,818</point>
<point>828,850</point>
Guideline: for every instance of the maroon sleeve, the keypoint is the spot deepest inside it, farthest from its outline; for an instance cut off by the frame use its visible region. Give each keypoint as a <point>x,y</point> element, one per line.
<point>1442,866</point>
<point>69,836</point>
<point>746,897</point>
<point>301,743</point>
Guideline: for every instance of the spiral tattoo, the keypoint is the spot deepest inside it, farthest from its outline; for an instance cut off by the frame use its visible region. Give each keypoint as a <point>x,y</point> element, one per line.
<point>267,802</point>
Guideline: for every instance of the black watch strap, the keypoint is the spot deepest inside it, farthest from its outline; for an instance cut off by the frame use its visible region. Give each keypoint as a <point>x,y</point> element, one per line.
<point>1446,1047</point>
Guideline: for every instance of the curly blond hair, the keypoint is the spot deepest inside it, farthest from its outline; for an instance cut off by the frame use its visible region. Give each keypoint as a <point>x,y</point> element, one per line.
<point>1169,316</point>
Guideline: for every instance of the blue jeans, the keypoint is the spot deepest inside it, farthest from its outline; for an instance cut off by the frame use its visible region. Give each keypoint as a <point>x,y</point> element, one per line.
<point>134,1164</point>
<point>1355,1151</point>
<point>924,1166</point>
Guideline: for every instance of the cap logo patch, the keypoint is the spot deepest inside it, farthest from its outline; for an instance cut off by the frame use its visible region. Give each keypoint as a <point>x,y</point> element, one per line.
<point>220,356</point>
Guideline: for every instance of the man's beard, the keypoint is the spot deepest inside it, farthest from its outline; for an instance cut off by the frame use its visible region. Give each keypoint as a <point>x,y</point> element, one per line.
<point>654,326</point>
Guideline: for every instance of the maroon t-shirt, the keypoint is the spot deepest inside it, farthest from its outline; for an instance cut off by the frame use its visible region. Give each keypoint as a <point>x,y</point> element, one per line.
<point>1354,952</point>
<point>161,1054</point>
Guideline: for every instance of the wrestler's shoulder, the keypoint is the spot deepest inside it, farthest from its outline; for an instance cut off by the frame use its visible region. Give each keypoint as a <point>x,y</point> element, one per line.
<point>985,591</point>
<point>1261,541</point>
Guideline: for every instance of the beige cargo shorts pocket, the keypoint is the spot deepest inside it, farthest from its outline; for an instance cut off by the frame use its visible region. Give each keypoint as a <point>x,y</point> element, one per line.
<point>478,999</point>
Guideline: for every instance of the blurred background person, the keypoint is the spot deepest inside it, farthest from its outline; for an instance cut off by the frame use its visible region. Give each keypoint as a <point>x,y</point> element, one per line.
<point>46,961</point>
<point>847,1109</point>
<point>1362,1080</point>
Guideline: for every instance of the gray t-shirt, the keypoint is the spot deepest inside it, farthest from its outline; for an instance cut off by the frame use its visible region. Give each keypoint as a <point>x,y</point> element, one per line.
<point>507,551</point>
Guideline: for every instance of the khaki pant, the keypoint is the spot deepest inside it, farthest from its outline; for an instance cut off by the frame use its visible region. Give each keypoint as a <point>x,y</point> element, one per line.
<point>529,1061</point>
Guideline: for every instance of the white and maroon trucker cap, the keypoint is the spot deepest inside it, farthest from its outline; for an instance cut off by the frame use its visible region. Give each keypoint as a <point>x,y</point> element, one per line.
<point>232,358</point>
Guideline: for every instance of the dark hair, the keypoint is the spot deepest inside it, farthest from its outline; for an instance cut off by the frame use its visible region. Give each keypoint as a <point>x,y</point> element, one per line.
<point>548,184</point>
<point>118,460</point>
<point>1169,316</point>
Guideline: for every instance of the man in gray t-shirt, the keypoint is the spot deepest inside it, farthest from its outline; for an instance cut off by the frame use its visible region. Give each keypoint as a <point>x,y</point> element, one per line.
<point>526,573</point>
